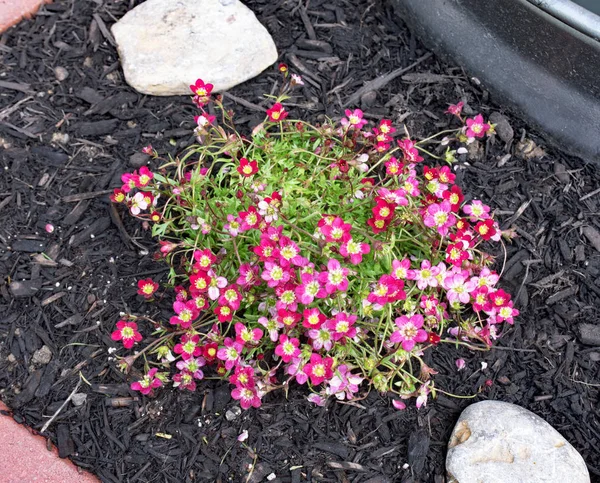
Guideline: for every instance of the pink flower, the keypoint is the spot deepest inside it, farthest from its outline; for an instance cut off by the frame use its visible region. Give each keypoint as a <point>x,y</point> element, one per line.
<point>289,253</point>
<point>409,331</point>
<point>287,298</point>
<point>148,383</point>
<point>387,290</point>
<point>184,380</point>
<point>287,348</point>
<point>335,231</point>
<point>316,399</point>
<point>313,318</point>
<point>231,297</point>
<point>188,347</point>
<point>354,250</point>
<point>147,287</point>
<point>319,369</point>
<point>230,353</point>
<point>393,167</point>
<point>126,332</point>
<point>477,210</point>
<point>506,313</point>
<point>186,312</point>
<point>204,259</point>
<point>200,282</point>
<point>243,376</point>
<point>334,279</point>
<point>460,364</point>
<point>272,325</point>
<point>440,216</point>
<point>232,225</point>
<point>400,268</point>
<point>455,109</point>
<point>342,326</point>
<point>249,276</point>
<point>477,127</point>
<point>266,250</point>
<point>201,92</point>
<point>288,318</point>
<point>308,289</point>
<point>354,119</point>
<point>274,274</point>
<point>458,288</point>
<point>411,153</point>
<point>248,397</point>
<point>343,384</point>
<point>245,335</point>
<point>247,168</point>
<point>427,276</point>
<point>398,404</point>
<point>277,113</point>
<point>249,219</point>
<point>322,338</point>
<point>294,369</point>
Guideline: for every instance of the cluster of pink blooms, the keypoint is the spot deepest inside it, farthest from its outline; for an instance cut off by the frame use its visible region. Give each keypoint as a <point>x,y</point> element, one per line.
<point>303,321</point>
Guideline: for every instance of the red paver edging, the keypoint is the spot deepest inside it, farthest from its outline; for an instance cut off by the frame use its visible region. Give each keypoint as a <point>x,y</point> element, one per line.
<point>11,11</point>
<point>24,457</point>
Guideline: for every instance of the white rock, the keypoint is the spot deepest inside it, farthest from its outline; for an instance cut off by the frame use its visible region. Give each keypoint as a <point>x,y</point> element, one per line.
<point>497,442</point>
<point>42,356</point>
<point>165,45</point>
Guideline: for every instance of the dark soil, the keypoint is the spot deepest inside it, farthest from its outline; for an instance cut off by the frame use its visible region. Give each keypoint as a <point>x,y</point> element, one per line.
<point>70,298</point>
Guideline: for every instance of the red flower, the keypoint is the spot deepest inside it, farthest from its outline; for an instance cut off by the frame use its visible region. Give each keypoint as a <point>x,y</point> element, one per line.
<point>209,351</point>
<point>383,210</point>
<point>378,224</point>
<point>277,113</point>
<point>155,216</point>
<point>148,383</point>
<point>224,313</point>
<point>455,196</point>
<point>318,369</point>
<point>433,338</point>
<point>247,168</point>
<point>147,287</point>
<point>201,92</point>
<point>486,229</point>
<point>126,332</point>
<point>455,109</point>
<point>118,196</point>
<point>283,68</point>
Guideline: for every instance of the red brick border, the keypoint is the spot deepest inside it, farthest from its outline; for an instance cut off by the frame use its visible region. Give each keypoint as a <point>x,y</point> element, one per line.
<point>11,11</point>
<point>24,456</point>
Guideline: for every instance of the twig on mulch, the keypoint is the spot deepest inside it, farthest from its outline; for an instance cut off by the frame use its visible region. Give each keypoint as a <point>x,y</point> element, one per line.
<point>244,102</point>
<point>62,406</point>
<point>383,80</point>
<point>85,196</point>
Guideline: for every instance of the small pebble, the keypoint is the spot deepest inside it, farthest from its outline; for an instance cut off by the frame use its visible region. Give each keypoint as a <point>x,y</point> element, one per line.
<point>42,356</point>
<point>61,73</point>
<point>233,413</point>
<point>79,399</point>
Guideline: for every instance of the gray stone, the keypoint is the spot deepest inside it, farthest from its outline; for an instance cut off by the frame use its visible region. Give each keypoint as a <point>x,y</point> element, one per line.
<point>42,356</point>
<point>503,127</point>
<point>233,413</point>
<point>165,45</point>
<point>137,160</point>
<point>61,73</point>
<point>79,399</point>
<point>498,442</point>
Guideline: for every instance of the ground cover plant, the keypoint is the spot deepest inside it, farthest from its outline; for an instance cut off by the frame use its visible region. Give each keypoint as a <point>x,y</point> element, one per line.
<point>96,259</point>
<point>327,254</point>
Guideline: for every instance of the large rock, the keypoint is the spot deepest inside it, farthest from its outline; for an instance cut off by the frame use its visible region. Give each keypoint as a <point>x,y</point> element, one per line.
<point>497,442</point>
<point>165,45</point>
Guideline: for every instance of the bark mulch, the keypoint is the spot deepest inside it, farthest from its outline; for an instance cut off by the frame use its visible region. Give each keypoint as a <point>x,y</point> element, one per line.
<point>64,144</point>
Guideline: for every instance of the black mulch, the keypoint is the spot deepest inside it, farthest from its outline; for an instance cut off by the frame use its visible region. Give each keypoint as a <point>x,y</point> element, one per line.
<point>70,298</point>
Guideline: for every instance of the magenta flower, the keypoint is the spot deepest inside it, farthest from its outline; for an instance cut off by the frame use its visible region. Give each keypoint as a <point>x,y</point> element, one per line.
<point>230,354</point>
<point>289,253</point>
<point>287,298</point>
<point>288,318</point>
<point>336,230</point>
<point>409,331</point>
<point>440,216</point>
<point>308,289</point>
<point>342,326</point>
<point>455,109</point>
<point>287,348</point>
<point>249,276</point>
<point>231,297</point>
<point>319,369</point>
<point>354,119</point>
<point>248,397</point>
<point>148,383</point>
<point>243,376</point>
<point>387,289</point>
<point>192,365</point>
<point>244,335</point>
<point>266,250</point>
<point>411,153</point>
<point>459,287</point>
<point>322,338</point>
<point>313,318</point>
<point>186,312</point>
<point>427,276</point>
<point>250,219</point>
<point>334,279</point>
<point>477,127</point>
<point>274,274</point>
<point>184,380</point>
<point>127,333</point>
<point>354,250</point>
<point>188,347</point>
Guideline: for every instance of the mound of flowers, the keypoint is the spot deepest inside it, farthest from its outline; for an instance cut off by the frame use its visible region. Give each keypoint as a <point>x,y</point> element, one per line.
<point>329,255</point>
